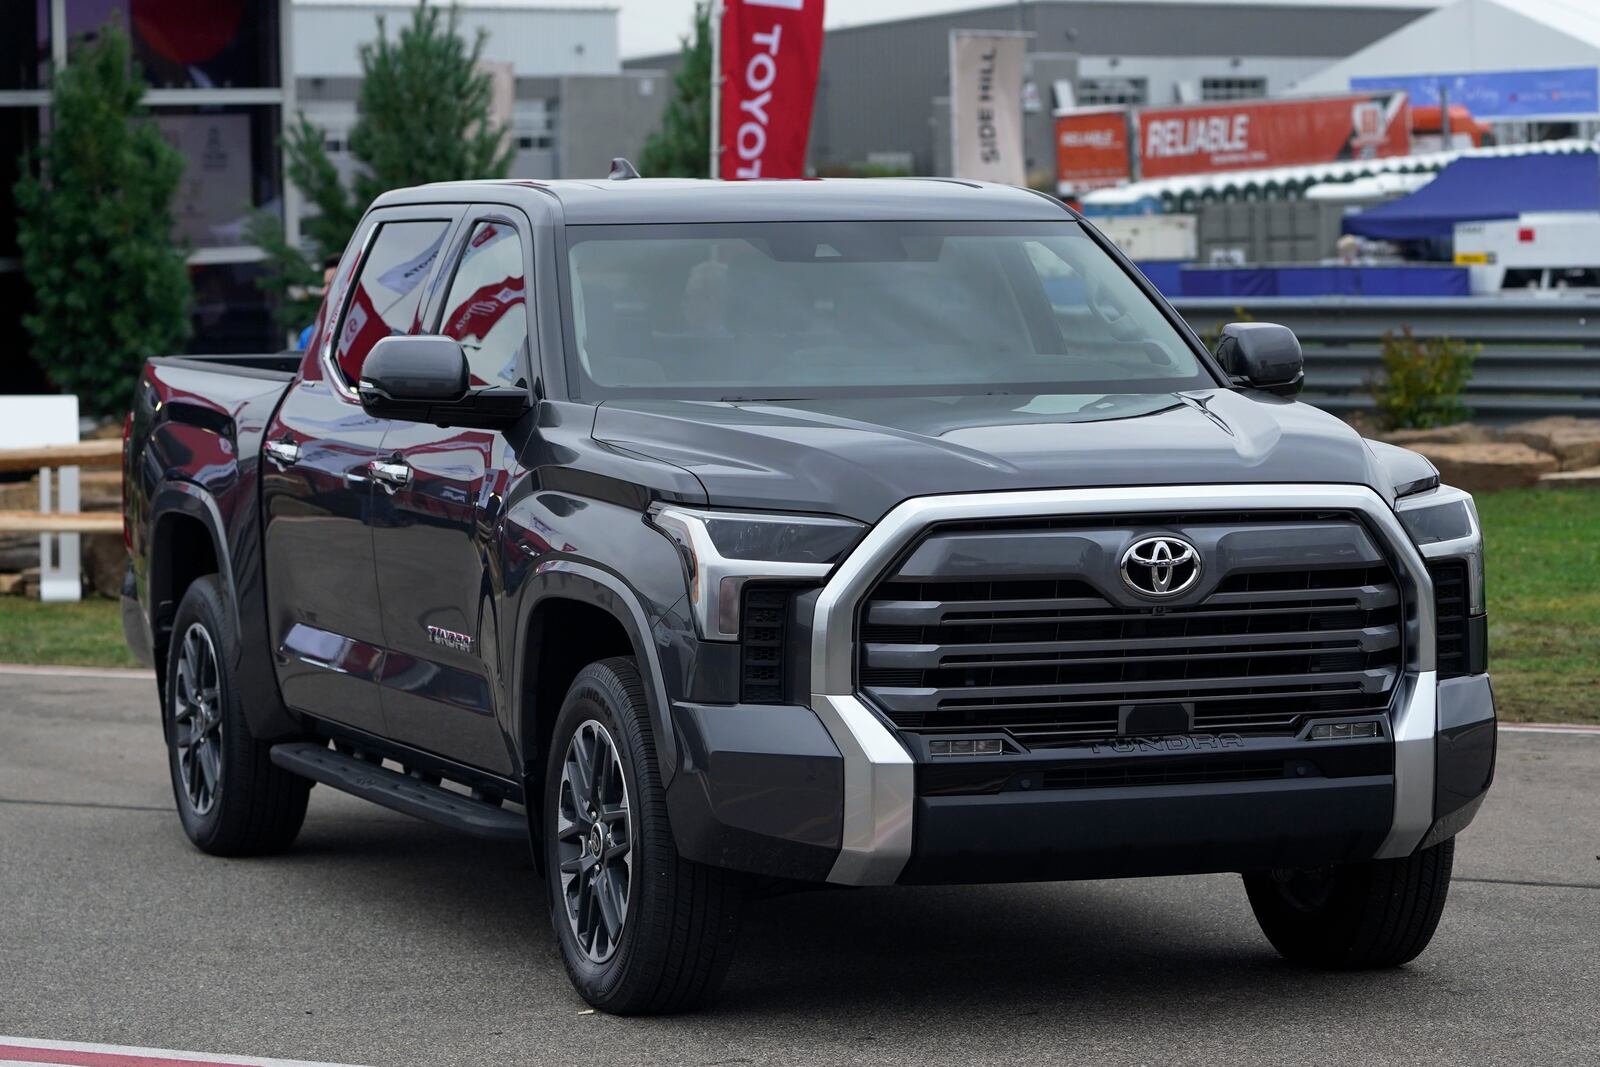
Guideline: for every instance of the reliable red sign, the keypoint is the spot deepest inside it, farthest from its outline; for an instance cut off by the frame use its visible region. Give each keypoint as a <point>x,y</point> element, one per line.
<point>1274,133</point>
<point>1091,149</point>
<point>770,53</point>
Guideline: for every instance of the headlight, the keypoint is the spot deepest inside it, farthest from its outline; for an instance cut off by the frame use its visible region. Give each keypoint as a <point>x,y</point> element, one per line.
<point>722,550</point>
<point>1443,524</point>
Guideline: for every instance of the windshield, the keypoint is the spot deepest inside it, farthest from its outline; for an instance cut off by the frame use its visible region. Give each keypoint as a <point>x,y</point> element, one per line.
<point>791,310</point>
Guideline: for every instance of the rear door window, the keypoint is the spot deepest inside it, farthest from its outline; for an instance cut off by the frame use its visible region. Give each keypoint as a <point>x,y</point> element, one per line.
<point>387,294</point>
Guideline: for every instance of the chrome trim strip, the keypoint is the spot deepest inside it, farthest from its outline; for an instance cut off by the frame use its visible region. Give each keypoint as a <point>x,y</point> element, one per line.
<point>1414,721</point>
<point>716,582</point>
<point>879,791</point>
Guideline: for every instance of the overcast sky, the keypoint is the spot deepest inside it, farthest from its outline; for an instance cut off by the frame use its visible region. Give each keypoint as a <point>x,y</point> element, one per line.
<point>649,26</point>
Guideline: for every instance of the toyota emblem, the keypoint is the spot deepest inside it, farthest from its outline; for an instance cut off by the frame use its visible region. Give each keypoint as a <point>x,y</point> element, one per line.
<point>1160,567</point>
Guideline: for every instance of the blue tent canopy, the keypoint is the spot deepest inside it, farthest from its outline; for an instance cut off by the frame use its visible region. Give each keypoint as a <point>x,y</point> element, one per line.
<point>1485,187</point>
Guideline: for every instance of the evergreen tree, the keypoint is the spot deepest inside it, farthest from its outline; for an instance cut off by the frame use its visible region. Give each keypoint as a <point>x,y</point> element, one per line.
<point>422,116</point>
<point>110,285</point>
<point>681,148</point>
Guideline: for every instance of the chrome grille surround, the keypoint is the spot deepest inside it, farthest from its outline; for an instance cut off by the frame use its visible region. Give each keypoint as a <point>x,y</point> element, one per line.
<point>1029,628</point>
<point>879,778</point>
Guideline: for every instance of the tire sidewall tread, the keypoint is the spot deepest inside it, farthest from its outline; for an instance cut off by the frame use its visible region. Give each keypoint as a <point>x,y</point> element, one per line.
<point>260,807</point>
<point>682,919</point>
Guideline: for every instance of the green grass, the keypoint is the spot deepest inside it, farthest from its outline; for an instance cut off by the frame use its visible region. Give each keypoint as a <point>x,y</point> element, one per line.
<point>1542,549</point>
<point>85,634</point>
<point>1543,566</point>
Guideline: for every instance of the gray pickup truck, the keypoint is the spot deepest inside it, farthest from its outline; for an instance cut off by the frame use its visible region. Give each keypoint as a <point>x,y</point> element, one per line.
<point>708,537</point>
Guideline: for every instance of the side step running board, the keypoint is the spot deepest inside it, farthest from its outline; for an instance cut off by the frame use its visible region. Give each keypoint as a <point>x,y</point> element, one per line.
<point>401,792</point>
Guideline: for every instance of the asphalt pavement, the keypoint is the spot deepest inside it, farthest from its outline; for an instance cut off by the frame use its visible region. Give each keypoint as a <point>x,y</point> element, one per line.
<point>381,940</point>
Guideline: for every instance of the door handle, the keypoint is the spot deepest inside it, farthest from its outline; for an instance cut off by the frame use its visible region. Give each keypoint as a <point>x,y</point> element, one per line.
<point>283,453</point>
<point>394,474</point>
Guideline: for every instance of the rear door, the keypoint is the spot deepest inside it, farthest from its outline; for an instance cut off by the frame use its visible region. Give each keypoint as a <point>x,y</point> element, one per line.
<point>317,489</point>
<point>434,523</point>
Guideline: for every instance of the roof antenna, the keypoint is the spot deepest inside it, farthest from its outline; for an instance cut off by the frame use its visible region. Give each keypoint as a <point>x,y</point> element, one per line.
<point>622,170</point>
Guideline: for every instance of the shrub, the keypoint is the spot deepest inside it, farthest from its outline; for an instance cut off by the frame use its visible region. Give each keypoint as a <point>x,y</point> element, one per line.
<point>681,148</point>
<point>1422,381</point>
<point>110,285</point>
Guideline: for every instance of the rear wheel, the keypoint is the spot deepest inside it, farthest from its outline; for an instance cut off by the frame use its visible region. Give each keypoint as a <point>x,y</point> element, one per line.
<point>641,929</point>
<point>232,799</point>
<point>1363,915</point>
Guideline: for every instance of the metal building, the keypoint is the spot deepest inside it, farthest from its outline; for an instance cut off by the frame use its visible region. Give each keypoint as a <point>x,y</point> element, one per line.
<point>882,98</point>
<point>216,86</point>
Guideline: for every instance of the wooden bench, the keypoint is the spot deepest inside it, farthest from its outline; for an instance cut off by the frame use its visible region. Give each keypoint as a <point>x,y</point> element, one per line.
<point>102,454</point>
<point>39,522</point>
<point>58,530</point>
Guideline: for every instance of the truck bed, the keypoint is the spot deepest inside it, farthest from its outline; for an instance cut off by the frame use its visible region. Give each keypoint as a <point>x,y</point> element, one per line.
<point>276,366</point>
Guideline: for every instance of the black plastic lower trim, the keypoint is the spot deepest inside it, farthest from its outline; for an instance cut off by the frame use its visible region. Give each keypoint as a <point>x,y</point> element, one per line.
<point>1149,830</point>
<point>135,627</point>
<point>760,788</point>
<point>1464,753</point>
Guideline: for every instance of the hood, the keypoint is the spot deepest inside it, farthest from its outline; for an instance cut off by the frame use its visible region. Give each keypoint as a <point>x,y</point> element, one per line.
<point>861,456</point>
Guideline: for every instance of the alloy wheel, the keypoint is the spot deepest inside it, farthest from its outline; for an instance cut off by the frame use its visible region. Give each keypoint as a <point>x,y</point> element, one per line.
<point>197,719</point>
<point>594,829</point>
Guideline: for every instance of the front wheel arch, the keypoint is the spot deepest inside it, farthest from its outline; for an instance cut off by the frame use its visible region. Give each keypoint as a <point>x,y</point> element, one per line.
<point>576,616</point>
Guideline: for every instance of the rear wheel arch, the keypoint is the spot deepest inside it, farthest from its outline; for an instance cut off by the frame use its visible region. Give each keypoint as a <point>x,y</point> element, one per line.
<point>185,545</point>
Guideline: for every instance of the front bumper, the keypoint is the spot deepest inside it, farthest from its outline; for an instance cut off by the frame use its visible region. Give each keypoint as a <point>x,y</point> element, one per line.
<point>761,788</point>
<point>833,792</point>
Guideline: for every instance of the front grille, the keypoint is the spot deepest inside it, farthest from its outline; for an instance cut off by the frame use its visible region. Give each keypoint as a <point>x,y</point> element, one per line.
<point>1450,620</point>
<point>1053,661</point>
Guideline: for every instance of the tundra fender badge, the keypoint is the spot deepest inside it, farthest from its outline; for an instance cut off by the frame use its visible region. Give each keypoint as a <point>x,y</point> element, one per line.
<point>450,639</point>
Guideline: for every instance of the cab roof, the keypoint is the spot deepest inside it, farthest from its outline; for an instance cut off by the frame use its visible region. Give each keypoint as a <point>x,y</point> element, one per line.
<point>678,200</point>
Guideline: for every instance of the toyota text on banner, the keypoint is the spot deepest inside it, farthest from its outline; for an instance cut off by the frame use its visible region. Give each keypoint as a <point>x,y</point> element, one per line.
<point>769,54</point>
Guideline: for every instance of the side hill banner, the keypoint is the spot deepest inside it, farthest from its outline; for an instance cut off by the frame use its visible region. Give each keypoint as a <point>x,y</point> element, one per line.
<point>1271,133</point>
<point>769,54</point>
<point>986,105</point>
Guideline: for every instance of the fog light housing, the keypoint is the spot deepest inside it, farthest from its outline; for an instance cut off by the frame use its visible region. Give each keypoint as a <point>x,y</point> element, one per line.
<point>967,746</point>
<point>1342,731</point>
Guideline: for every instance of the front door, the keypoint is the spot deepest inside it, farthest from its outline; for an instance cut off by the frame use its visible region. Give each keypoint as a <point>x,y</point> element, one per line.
<point>434,525</point>
<point>317,487</point>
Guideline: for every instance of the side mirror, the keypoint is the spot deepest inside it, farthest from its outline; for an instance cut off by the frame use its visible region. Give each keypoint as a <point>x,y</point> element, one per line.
<point>426,379</point>
<point>1262,355</point>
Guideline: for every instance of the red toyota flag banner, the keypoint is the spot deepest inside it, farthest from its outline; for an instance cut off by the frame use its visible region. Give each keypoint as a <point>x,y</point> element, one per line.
<point>769,53</point>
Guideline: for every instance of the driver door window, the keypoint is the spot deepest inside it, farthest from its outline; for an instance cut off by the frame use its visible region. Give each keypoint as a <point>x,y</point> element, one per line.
<point>486,309</point>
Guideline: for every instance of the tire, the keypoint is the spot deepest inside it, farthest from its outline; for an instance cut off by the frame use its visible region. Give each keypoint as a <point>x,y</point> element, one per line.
<point>1365,915</point>
<point>232,799</point>
<point>679,920</point>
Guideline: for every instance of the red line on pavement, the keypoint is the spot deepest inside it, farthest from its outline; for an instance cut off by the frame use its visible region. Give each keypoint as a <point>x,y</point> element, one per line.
<point>74,1058</point>
<point>1550,727</point>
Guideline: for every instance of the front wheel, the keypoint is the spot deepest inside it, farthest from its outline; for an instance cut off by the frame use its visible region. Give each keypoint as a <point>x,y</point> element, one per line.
<point>1381,913</point>
<point>641,929</point>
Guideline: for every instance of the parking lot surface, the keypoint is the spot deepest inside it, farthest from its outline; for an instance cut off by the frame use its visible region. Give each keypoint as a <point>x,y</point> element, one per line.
<point>381,940</point>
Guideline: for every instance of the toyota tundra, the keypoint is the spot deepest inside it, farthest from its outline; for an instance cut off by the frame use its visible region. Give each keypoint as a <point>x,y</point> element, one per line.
<point>715,537</point>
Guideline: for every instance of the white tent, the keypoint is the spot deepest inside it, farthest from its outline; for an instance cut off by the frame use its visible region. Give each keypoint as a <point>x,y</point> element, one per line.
<point>1474,36</point>
<point>1289,183</point>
